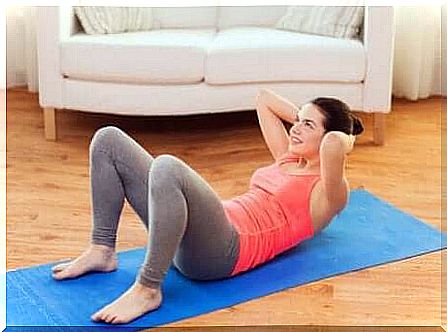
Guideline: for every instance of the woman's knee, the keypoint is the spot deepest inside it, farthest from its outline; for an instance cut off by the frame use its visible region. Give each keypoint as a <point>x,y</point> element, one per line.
<point>105,137</point>
<point>167,167</point>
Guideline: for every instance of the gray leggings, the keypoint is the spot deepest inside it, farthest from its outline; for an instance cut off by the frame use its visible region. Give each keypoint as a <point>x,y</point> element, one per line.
<point>183,215</point>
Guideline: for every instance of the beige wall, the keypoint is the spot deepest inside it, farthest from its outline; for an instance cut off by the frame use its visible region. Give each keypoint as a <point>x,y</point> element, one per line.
<point>15,47</point>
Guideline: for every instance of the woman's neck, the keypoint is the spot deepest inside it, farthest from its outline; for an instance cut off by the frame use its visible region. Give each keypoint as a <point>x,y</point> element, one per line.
<point>311,165</point>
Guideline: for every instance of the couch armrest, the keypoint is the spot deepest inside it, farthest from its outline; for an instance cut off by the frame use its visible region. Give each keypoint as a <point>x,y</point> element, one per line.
<point>53,25</point>
<point>378,41</point>
<point>69,25</point>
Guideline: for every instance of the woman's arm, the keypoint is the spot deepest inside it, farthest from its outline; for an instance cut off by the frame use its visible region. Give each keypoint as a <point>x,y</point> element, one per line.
<point>271,109</point>
<point>334,147</point>
<point>282,107</point>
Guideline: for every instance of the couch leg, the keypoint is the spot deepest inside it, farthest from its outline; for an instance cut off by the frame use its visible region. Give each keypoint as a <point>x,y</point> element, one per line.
<point>379,128</point>
<point>49,115</point>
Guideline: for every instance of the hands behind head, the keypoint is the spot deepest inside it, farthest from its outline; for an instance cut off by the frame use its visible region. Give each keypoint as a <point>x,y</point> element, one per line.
<point>337,137</point>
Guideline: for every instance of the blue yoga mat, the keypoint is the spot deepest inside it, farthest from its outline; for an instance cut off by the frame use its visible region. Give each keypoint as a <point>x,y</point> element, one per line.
<point>368,232</point>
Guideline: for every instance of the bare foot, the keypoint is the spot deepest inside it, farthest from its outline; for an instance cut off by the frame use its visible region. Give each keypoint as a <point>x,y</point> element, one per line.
<point>97,258</point>
<point>135,302</point>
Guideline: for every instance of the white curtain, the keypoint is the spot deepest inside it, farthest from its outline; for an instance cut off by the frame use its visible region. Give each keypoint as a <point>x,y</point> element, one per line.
<point>417,52</point>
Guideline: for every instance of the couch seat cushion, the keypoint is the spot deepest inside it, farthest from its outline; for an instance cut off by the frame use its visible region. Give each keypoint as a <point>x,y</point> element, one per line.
<point>156,56</point>
<point>260,54</point>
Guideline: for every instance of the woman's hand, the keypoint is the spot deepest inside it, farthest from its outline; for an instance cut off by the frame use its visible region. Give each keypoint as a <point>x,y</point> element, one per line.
<point>335,138</point>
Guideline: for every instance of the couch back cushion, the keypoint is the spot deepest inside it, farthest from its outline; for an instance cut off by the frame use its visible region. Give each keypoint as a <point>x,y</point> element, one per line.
<point>184,17</point>
<point>335,21</point>
<point>112,19</point>
<point>262,16</point>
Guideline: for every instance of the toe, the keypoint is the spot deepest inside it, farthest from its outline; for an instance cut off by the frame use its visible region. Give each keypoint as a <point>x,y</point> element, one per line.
<point>59,275</point>
<point>116,320</point>
<point>108,318</point>
<point>60,267</point>
<point>57,268</point>
<point>97,316</point>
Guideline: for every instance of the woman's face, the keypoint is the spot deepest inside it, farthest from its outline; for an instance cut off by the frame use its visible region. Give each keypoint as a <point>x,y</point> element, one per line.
<point>307,132</point>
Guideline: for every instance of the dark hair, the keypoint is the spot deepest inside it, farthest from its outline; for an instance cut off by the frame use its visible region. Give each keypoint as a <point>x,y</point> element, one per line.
<point>338,116</point>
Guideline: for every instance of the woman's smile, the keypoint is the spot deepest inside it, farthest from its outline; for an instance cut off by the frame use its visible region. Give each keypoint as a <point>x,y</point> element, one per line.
<point>295,140</point>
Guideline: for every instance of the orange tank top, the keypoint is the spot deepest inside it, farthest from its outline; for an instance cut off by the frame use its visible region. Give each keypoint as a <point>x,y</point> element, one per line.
<point>273,215</point>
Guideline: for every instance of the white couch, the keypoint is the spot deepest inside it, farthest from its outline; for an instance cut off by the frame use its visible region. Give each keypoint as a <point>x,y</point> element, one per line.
<point>207,60</point>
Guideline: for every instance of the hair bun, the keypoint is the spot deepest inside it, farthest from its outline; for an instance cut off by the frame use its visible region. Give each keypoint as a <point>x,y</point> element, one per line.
<point>357,127</point>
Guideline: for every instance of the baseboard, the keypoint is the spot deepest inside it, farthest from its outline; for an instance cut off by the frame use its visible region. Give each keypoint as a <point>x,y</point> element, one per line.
<point>15,78</point>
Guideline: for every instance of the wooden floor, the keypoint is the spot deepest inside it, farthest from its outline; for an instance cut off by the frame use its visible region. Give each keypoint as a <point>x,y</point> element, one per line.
<point>49,211</point>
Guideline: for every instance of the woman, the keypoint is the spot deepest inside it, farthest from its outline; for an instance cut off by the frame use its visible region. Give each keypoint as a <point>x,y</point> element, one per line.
<point>188,225</point>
